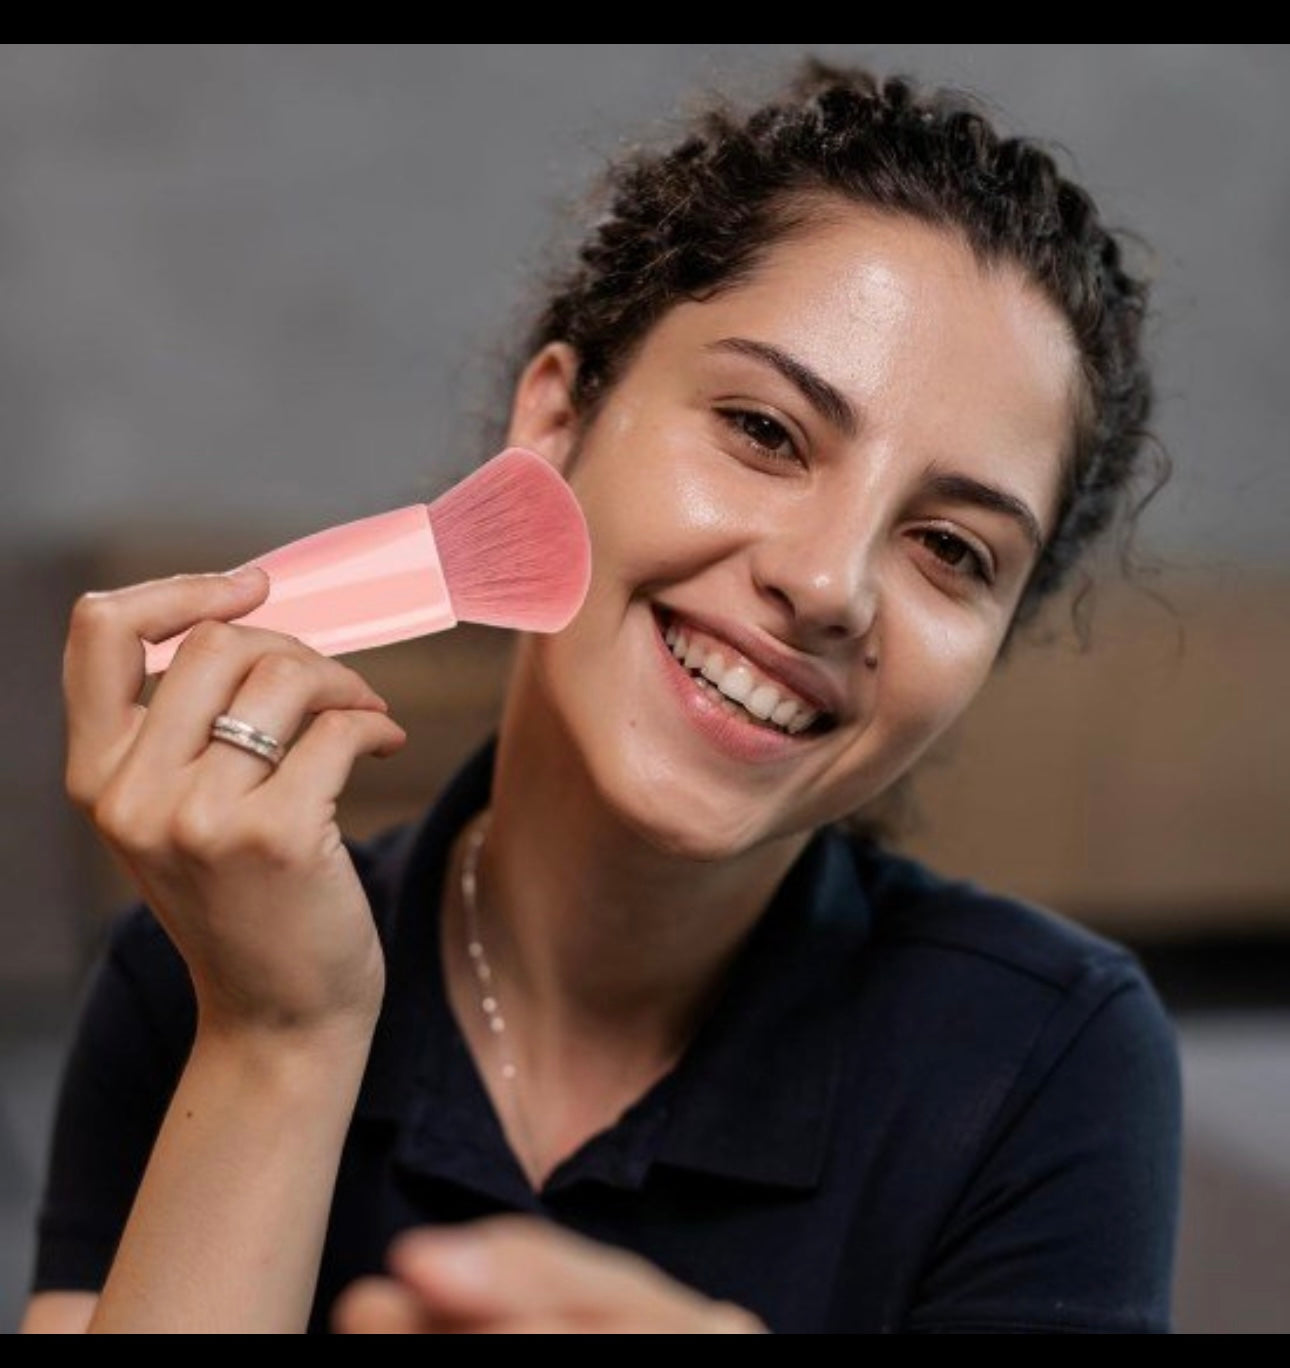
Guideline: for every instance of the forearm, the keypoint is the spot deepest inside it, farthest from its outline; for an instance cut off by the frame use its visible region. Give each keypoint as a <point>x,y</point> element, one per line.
<point>227,1228</point>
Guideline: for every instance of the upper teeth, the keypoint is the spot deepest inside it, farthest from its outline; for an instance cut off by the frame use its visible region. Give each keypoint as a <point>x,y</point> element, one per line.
<point>739,680</point>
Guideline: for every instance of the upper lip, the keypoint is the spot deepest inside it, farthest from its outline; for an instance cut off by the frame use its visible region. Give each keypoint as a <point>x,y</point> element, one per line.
<point>805,678</point>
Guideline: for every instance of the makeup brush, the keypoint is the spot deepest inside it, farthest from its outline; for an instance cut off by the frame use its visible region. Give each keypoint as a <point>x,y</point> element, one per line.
<point>507,546</point>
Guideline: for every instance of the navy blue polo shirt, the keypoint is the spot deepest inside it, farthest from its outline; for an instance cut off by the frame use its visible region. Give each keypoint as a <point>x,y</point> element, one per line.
<point>915,1106</point>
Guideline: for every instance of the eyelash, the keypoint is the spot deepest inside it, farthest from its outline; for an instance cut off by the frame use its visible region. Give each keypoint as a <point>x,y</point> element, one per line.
<point>980,569</point>
<point>740,421</point>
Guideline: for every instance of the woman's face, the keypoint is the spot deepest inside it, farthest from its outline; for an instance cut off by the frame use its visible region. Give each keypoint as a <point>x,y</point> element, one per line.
<point>822,487</point>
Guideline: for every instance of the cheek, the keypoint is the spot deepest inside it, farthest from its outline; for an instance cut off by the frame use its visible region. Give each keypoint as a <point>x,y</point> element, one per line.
<point>658,499</point>
<point>938,662</point>
<point>929,674</point>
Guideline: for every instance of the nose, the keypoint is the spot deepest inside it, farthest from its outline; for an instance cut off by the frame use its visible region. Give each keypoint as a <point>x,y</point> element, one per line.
<point>820,571</point>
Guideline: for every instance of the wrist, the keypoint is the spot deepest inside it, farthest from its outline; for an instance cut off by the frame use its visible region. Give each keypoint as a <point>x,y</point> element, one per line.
<point>329,1054</point>
<point>305,1025</point>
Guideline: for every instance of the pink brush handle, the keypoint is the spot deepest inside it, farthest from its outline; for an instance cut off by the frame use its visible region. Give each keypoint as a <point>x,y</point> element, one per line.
<point>365,583</point>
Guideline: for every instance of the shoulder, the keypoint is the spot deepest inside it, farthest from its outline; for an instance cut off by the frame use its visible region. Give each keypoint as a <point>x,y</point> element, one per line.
<point>992,995</point>
<point>981,933</point>
<point>1031,1072</point>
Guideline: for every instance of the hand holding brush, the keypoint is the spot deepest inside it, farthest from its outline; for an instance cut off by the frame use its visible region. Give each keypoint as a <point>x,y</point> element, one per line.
<point>218,798</point>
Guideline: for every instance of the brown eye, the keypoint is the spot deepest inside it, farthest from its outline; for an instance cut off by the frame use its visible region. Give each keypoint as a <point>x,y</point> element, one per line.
<point>761,431</point>
<point>957,554</point>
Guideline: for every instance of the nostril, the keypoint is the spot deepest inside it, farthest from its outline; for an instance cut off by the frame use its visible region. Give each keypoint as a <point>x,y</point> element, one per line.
<point>780,597</point>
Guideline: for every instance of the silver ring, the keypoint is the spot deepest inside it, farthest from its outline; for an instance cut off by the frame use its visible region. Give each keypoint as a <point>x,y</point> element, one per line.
<point>248,738</point>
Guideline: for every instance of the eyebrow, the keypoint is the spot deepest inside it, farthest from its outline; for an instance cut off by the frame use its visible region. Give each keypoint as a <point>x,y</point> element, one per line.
<point>830,403</point>
<point>834,407</point>
<point>964,489</point>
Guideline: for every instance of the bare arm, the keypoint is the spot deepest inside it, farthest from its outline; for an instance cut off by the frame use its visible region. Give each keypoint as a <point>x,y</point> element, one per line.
<point>228,1226</point>
<point>58,1313</point>
<point>241,862</point>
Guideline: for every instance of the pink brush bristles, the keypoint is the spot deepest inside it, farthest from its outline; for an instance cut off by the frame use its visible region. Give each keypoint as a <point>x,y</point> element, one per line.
<point>506,547</point>
<point>513,545</point>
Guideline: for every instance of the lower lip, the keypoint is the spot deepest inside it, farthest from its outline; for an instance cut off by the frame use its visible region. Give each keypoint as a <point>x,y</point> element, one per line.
<point>738,737</point>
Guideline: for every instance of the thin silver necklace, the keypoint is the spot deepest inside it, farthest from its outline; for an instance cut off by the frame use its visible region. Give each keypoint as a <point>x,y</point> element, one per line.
<point>489,1003</point>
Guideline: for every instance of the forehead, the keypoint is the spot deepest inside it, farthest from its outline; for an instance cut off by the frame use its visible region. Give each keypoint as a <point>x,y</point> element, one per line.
<point>956,358</point>
<point>849,277</point>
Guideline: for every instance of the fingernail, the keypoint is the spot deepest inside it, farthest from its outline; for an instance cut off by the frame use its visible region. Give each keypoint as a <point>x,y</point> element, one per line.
<point>243,573</point>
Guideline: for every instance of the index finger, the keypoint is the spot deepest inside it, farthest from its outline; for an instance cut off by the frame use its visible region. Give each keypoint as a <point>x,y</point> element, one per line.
<point>505,1267</point>
<point>103,660</point>
<point>379,1306</point>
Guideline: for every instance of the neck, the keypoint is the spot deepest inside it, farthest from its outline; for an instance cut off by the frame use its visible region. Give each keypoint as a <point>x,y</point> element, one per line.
<point>601,941</point>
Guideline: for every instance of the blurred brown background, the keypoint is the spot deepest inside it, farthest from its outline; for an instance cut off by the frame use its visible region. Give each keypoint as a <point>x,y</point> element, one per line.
<point>251,291</point>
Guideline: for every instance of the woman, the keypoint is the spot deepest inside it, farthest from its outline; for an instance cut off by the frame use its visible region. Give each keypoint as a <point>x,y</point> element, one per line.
<point>631,1032</point>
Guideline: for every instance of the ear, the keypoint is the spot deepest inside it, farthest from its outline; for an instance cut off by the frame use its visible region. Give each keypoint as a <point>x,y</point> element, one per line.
<point>543,417</point>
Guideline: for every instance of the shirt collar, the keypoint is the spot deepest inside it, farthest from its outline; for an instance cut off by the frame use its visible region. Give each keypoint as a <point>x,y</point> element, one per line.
<point>753,1097</point>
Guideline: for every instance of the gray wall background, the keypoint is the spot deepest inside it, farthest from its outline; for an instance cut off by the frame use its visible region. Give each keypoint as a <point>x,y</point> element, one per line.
<point>265,285</point>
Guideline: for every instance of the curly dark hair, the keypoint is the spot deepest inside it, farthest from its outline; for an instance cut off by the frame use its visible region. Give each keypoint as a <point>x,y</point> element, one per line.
<point>694,219</point>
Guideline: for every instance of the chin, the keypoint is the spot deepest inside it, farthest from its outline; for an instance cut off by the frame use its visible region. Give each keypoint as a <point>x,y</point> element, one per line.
<point>662,808</point>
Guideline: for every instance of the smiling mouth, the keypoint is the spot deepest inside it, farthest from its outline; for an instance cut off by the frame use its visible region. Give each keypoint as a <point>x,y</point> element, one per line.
<point>743,692</point>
